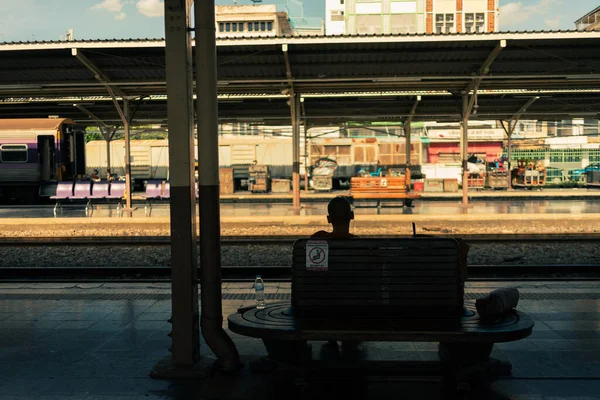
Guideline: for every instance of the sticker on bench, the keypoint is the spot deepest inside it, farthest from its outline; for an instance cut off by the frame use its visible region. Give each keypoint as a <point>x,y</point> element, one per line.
<point>317,255</point>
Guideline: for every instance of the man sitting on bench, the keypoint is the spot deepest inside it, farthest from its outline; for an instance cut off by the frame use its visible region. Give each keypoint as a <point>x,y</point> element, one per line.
<point>339,216</point>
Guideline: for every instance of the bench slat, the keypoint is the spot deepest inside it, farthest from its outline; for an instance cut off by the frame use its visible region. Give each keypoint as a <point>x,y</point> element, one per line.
<point>389,262</point>
<point>349,274</point>
<point>394,287</point>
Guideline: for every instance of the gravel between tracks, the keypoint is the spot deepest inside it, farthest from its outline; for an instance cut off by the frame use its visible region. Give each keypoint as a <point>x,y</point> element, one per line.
<point>256,255</point>
<point>261,255</point>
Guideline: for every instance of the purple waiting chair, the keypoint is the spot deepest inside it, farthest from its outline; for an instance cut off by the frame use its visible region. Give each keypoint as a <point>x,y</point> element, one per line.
<point>153,191</point>
<point>167,194</point>
<point>83,191</point>
<point>64,191</point>
<point>117,191</point>
<point>99,192</point>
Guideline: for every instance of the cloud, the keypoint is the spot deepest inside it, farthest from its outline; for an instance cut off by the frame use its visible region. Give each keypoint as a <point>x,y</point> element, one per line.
<point>120,16</point>
<point>151,8</point>
<point>109,5</point>
<point>516,13</point>
<point>553,23</point>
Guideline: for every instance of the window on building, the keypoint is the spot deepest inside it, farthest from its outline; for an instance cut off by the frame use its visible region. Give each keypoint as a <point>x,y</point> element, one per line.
<point>263,26</point>
<point>221,27</point>
<point>337,15</point>
<point>403,23</point>
<point>269,26</point>
<point>470,23</point>
<point>480,22</point>
<point>234,27</point>
<point>250,26</point>
<point>444,23</point>
<point>13,153</point>
<point>257,26</point>
<point>369,24</point>
<point>538,126</point>
<point>227,27</point>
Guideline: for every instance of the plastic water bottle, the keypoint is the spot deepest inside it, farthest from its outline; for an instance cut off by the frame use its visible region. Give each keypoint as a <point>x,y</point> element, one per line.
<point>259,289</point>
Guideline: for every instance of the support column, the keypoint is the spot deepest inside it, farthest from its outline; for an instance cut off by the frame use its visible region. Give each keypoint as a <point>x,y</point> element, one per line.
<point>295,111</point>
<point>465,148</point>
<point>108,140</point>
<point>407,130</point>
<point>126,123</point>
<point>511,129</point>
<point>208,180</point>
<point>184,250</point>
<point>306,160</point>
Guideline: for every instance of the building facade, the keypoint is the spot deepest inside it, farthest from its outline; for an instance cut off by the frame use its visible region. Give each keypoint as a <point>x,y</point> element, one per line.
<point>376,17</point>
<point>248,21</point>
<point>589,22</point>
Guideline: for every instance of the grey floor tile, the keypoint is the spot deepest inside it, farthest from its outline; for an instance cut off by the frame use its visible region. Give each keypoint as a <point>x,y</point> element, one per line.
<point>154,316</point>
<point>578,325</point>
<point>76,324</point>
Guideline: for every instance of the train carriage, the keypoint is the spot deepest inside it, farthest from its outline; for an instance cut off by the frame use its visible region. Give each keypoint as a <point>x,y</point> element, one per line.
<point>35,153</point>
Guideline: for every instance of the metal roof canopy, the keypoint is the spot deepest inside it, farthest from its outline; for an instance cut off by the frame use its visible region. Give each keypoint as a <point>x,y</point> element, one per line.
<point>323,110</point>
<point>359,77</point>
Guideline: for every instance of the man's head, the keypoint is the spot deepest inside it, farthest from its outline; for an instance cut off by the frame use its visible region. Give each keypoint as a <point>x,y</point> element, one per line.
<point>340,211</point>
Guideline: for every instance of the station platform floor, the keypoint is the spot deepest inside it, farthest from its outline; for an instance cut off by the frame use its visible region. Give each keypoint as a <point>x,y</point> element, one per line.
<point>322,196</point>
<point>100,341</point>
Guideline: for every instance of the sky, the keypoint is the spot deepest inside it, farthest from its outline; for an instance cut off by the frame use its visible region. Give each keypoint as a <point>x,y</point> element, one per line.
<point>28,20</point>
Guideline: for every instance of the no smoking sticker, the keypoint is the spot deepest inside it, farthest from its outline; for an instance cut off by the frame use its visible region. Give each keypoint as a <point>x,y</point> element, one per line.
<point>317,254</point>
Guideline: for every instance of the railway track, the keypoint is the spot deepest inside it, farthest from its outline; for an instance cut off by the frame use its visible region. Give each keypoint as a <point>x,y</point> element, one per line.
<point>162,273</point>
<point>277,240</point>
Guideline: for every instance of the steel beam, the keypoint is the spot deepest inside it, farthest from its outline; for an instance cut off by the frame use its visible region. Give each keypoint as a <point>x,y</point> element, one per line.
<point>126,130</point>
<point>220,343</point>
<point>487,64</point>
<point>98,74</point>
<point>407,132</point>
<point>295,105</point>
<point>512,124</point>
<point>104,128</point>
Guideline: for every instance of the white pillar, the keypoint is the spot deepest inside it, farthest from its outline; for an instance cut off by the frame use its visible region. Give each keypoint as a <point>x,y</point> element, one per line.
<point>465,150</point>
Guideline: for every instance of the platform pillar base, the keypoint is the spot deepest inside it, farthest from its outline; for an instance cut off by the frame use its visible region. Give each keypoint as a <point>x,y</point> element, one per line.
<point>167,370</point>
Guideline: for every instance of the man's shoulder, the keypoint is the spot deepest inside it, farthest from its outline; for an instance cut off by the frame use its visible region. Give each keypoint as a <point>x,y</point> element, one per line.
<point>332,235</point>
<point>321,234</point>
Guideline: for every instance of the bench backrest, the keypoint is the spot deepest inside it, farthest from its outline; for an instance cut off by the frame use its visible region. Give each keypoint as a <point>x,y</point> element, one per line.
<point>64,190</point>
<point>99,190</point>
<point>117,189</point>
<point>83,189</point>
<point>153,189</point>
<point>378,277</point>
<point>378,184</point>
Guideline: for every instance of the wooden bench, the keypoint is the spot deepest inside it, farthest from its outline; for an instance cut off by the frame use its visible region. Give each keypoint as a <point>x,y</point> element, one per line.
<point>380,290</point>
<point>382,188</point>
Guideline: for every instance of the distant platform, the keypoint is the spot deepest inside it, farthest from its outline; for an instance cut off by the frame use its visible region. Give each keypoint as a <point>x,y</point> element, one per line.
<point>314,196</point>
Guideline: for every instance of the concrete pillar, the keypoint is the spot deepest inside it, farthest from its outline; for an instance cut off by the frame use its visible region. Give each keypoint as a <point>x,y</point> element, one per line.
<point>465,149</point>
<point>107,137</point>
<point>184,251</point>
<point>127,157</point>
<point>295,113</point>
<point>407,131</point>
<point>511,129</point>
<point>306,158</point>
<point>208,180</point>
